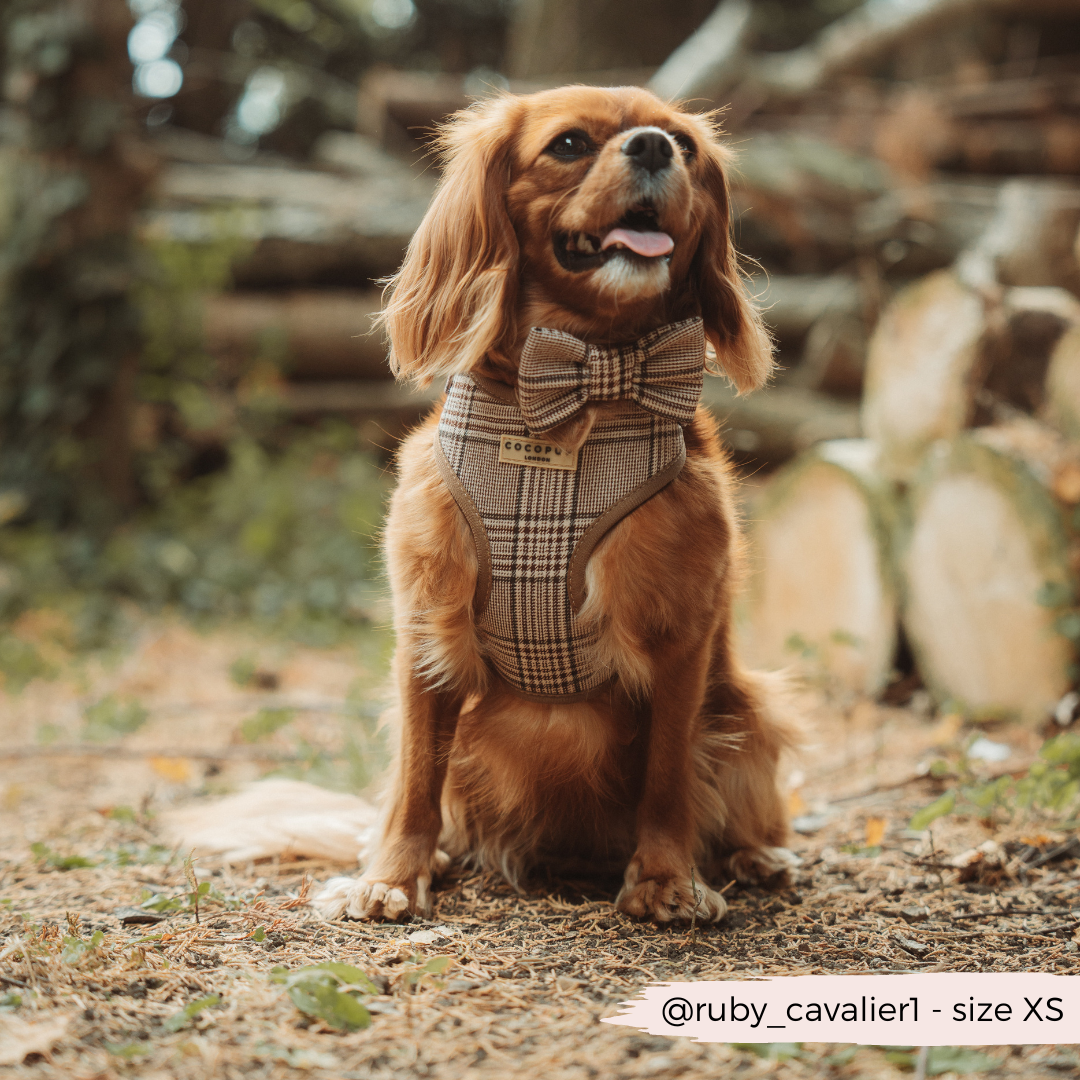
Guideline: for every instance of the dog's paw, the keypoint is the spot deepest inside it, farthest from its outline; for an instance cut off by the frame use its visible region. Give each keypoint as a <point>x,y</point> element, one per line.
<point>764,864</point>
<point>368,898</point>
<point>665,897</point>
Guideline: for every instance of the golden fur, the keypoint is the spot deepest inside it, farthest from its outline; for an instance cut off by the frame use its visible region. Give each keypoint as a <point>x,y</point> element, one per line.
<point>675,766</point>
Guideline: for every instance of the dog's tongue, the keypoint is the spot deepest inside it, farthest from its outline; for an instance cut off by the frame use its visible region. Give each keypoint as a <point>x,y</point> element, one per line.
<point>649,244</point>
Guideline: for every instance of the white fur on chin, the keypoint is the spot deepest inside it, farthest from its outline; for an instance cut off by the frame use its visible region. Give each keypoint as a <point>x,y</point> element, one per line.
<point>631,279</point>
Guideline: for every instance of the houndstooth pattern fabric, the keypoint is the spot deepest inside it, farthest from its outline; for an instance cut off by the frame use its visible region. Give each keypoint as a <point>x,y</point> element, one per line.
<point>662,372</point>
<point>532,520</point>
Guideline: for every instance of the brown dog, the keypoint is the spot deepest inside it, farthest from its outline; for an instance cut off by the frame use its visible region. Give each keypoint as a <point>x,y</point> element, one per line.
<point>602,213</point>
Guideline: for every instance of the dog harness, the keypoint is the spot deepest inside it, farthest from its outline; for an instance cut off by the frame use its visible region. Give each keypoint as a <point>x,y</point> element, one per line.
<point>537,512</point>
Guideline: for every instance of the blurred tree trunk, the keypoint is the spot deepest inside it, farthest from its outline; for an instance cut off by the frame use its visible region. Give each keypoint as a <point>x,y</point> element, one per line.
<point>72,172</point>
<point>559,37</point>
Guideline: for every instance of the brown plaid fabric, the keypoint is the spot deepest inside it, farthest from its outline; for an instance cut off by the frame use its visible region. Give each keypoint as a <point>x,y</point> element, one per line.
<point>534,528</point>
<point>663,372</point>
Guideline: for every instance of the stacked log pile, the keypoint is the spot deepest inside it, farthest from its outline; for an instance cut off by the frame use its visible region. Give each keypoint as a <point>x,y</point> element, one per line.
<point>956,518</point>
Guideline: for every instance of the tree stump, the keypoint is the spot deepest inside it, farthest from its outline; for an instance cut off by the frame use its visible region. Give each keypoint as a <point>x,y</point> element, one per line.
<point>919,367</point>
<point>987,554</point>
<point>823,585</point>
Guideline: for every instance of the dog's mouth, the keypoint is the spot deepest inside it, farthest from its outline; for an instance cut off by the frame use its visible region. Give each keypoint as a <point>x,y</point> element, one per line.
<point>635,236</point>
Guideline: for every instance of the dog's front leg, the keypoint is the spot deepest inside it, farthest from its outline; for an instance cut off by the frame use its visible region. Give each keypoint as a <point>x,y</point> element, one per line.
<point>398,877</point>
<point>659,883</point>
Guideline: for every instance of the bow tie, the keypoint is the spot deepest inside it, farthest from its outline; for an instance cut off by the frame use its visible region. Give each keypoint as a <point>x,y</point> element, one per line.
<point>559,374</point>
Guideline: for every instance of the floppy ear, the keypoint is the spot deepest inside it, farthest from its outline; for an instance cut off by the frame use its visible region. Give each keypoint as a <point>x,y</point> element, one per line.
<point>453,300</point>
<point>733,325</point>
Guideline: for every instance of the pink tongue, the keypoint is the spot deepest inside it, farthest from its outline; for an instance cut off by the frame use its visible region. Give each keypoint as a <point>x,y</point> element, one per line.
<point>649,244</point>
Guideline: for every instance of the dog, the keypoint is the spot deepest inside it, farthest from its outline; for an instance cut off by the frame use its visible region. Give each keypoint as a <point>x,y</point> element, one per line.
<point>584,222</point>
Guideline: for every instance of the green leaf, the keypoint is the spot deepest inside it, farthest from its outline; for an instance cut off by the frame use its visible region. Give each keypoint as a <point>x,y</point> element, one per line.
<point>922,818</point>
<point>264,723</point>
<point>259,933</point>
<point>203,889</point>
<point>317,994</point>
<point>160,902</point>
<point>958,1059</point>
<point>189,1012</point>
<point>345,974</point>
<point>773,1051</point>
<point>111,717</point>
<point>59,862</point>
<point>128,1051</point>
<point>438,964</point>
<point>76,950</point>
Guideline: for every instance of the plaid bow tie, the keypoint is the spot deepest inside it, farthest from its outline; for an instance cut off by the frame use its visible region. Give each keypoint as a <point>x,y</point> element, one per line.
<point>663,372</point>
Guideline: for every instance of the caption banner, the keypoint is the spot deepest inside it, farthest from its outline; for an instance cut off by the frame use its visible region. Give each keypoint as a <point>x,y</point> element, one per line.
<point>939,1009</point>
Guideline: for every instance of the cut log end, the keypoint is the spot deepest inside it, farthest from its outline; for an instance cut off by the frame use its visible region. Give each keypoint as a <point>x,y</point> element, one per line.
<point>822,590</point>
<point>986,540</point>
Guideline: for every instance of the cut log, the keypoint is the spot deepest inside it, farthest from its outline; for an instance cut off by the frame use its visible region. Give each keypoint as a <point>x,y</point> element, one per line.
<point>775,424</point>
<point>823,587</point>
<point>919,369</point>
<point>874,31</point>
<point>1030,239</point>
<point>944,357</point>
<point>1025,328</point>
<point>305,226</point>
<point>710,61</point>
<point>324,334</point>
<point>562,37</point>
<point>988,550</point>
<point>1063,385</point>
<point>790,305</point>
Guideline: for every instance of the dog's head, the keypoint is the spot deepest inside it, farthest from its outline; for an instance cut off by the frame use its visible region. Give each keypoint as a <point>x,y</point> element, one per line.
<point>602,212</point>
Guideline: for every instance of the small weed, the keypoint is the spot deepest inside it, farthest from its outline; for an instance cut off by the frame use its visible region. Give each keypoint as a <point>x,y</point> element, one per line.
<point>188,1013</point>
<point>1051,785</point>
<point>111,717</point>
<point>264,723</point>
<point>55,861</point>
<point>330,992</point>
<point>421,970</point>
<point>944,1059</point>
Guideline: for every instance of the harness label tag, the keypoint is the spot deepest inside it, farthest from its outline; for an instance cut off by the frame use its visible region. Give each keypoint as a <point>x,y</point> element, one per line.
<point>514,450</point>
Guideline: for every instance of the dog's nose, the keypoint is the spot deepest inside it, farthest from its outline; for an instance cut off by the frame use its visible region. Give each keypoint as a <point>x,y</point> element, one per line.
<point>649,150</point>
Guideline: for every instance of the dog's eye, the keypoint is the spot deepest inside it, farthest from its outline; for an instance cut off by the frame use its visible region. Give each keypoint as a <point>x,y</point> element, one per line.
<point>570,144</point>
<point>686,145</point>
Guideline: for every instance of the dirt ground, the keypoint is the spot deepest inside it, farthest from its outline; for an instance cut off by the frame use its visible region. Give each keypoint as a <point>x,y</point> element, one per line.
<point>89,760</point>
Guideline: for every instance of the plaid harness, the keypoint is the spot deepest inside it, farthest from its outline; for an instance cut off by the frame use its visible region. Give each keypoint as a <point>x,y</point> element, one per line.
<point>535,523</point>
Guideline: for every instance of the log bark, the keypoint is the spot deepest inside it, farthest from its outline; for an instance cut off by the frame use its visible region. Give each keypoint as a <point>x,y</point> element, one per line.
<point>1030,239</point>
<point>920,367</point>
<point>305,226</point>
<point>823,586</point>
<point>872,32</point>
<point>944,357</point>
<point>323,334</point>
<point>775,424</point>
<point>711,60</point>
<point>1063,385</point>
<point>988,545</point>
<point>559,37</point>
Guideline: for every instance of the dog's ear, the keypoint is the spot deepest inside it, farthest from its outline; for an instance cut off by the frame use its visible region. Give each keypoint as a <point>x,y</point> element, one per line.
<point>733,325</point>
<point>453,301</point>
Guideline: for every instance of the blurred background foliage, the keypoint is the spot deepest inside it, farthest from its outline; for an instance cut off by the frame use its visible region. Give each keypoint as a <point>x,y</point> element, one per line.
<point>158,156</point>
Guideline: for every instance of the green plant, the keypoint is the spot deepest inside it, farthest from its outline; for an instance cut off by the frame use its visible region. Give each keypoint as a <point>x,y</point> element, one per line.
<point>188,1013</point>
<point>329,992</point>
<point>111,717</point>
<point>1051,786</point>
